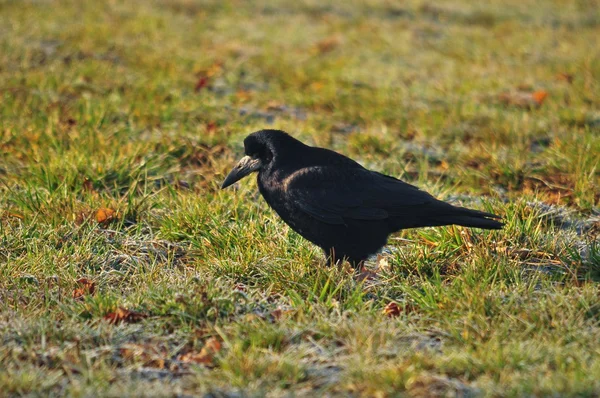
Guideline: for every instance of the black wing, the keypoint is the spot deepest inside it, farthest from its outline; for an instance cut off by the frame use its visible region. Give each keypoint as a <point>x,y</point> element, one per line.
<point>332,195</point>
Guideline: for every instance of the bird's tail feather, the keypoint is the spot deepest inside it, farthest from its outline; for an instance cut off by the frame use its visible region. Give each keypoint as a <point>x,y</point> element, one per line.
<point>471,218</point>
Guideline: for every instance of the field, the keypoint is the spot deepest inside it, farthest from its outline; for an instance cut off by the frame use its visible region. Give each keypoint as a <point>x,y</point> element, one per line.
<point>126,271</point>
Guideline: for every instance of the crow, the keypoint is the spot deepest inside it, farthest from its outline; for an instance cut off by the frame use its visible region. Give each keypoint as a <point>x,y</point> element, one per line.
<point>334,202</point>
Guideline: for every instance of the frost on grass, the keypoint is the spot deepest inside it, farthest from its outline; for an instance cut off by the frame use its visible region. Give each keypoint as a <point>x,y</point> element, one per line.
<point>149,125</point>
<point>127,252</point>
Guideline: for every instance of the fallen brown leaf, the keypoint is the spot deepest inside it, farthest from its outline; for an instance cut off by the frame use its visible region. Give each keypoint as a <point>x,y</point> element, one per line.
<point>477,163</point>
<point>383,263</point>
<point>240,287</point>
<point>105,215</point>
<point>213,70</point>
<point>206,355</point>
<point>201,83</point>
<point>211,127</point>
<point>567,77</point>
<point>87,185</point>
<point>149,355</point>
<point>392,310</point>
<point>243,95</point>
<point>539,96</point>
<point>328,44</point>
<point>278,313</point>
<point>86,288</point>
<point>317,86</point>
<point>523,99</point>
<point>14,215</point>
<point>274,105</point>
<point>365,275</point>
<point>124,315</point>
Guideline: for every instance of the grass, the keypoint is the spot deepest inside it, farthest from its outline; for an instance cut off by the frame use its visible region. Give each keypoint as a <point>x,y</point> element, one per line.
<point>141,107</point>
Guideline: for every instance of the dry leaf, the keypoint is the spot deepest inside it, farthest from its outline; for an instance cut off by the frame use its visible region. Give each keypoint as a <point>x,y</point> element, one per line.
<point>243,95</point>
<point>275,106</point>
<point>87,185</point>
<point>477,163</point>
<point>278,313</point>
<point>317,86</point>
<point>15,215</point>
<point>444,165</point>
<point>328,44</point>
<point>86,288</point>
<point>105,215</point>
<point>382,263</point>
<point>523,99</point>
<point>211,127</point>
<point>567,77</point>
<point>150,356</point>
<point>392,310</point>
<point>539,96</point>
<point>212,345</point>
<point>213,70</point>
<point>240,287</point>
<point>206,355</point>
<point>124,315</point>
<point>201,83</point>
<point>364,274</point>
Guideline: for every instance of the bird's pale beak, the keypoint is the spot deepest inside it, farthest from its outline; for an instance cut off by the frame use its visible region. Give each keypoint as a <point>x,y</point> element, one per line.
<point>245,166</point>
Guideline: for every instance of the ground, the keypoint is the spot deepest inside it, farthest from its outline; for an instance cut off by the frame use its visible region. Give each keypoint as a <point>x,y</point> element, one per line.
<point>125,270</point>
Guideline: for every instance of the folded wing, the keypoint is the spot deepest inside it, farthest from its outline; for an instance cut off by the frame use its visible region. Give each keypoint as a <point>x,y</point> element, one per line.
<point>333,197</point>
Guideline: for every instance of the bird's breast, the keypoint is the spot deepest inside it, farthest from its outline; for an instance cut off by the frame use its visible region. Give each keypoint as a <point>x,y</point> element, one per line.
<point>273,191</point>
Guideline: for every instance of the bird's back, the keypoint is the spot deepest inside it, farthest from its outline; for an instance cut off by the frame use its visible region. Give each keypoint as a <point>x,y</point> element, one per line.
<point>339,205</point>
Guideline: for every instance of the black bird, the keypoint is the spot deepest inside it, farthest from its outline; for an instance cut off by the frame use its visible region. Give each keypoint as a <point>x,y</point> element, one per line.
<point>334,202</point>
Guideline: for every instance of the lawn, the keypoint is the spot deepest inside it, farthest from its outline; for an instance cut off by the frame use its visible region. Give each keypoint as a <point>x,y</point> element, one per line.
<point>126,271</point>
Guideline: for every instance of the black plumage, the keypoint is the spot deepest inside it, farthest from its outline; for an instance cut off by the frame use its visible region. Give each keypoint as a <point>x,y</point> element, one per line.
<point>337,204</point>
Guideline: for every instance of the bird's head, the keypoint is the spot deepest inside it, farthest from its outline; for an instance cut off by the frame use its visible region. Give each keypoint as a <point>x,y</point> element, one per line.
<point>261,150</point>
